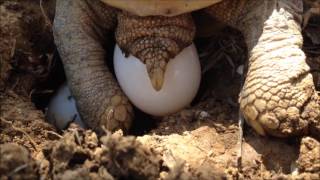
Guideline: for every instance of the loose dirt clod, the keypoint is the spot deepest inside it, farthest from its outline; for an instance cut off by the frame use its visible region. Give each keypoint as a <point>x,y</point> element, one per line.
<point>199,142</point>
<point>309,157</point>
<point>16,163</point>
<point>81,153</point>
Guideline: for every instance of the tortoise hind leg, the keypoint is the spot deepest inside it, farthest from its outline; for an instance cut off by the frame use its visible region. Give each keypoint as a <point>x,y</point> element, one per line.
<point>79,31</point>
<point>278,96</point>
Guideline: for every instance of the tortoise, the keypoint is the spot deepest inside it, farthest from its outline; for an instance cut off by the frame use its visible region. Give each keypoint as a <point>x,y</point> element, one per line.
<point>278,97</point>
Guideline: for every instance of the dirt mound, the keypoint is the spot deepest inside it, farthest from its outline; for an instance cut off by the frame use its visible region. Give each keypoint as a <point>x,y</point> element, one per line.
<point>200,142</point>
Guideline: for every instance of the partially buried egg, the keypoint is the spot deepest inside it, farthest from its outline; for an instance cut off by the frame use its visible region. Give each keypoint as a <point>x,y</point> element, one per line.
<point>181,82</point>
<point>62,109</point>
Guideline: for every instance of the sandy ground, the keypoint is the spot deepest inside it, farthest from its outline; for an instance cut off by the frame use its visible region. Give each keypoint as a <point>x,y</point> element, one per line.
<point>200,142</point>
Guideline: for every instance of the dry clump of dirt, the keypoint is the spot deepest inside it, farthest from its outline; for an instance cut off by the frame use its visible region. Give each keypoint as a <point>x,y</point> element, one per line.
<point>81,153</point>
<point>206,145</point>
<point>26,46</point>
<point>200,142</point>
<point>23,124</point>
<point>203,149</point>
<point>309,158</point>
<point>16,163</point>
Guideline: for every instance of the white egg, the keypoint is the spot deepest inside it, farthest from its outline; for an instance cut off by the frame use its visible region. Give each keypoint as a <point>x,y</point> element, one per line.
<point>181,83</point>
<point>62,109</point>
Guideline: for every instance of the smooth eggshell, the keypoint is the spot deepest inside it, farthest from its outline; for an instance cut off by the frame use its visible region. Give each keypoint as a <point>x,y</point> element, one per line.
<point>182,80</point>
<point>62,109</point>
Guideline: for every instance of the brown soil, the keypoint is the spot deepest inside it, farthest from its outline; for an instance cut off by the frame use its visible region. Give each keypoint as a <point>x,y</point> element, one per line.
<point>200,142</point>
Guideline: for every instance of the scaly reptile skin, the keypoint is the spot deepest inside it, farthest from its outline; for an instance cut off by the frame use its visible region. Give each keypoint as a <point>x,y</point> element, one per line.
<point>154,40</point>
<point>278,96</point>
<point>80,29</point>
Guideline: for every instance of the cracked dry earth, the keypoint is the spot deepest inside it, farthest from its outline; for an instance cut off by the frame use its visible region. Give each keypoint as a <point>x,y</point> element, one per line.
<point>197,143</point>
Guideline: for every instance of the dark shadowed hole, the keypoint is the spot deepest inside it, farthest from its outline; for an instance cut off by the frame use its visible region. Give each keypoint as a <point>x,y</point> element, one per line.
<point>46,89</point>
<point>143,123</point>
<point>94,168</point>
<point>78,158</point>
